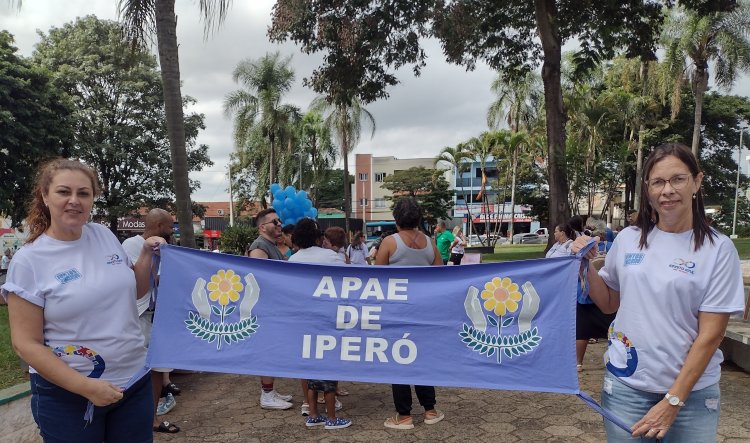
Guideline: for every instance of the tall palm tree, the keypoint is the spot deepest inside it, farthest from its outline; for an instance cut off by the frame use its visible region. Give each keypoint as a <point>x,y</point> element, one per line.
<point>518,101</point>
<point>142,18</point>
<point>345,122</point>
<point>457,157</point>
<point>720,38</point>
<point>316,146</point>
<point>258,104</point>
<point>482,149</point>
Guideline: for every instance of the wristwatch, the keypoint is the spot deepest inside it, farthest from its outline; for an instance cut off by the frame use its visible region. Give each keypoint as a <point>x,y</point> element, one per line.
<point>674,400</point>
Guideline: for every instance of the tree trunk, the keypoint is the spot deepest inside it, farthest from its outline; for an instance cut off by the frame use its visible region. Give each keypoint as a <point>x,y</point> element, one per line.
<point>347,193</point>
<point>641,135</point>
<point>546,19</point>
<point>166,33</point>
<point>513,194</point>
<point>701,84</point>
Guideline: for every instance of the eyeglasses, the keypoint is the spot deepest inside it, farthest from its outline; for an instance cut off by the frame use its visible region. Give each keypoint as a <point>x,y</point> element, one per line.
<point>677,182</point>
<point>275,221</point>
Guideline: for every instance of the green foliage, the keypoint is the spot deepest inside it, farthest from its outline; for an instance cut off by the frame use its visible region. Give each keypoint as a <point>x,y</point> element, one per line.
<point>10,369</point>
<point>428,186</point>
<point>119,125</point>
<point>330,193</point>
<point>235,239</point>
<point>35,124</point>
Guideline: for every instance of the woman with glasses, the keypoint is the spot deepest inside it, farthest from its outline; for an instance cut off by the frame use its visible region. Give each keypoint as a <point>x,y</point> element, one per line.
<point>675,281</point>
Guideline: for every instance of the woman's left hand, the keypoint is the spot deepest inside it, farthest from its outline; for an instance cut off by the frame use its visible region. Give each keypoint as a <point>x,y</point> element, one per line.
<point>656,422</point>
<point>152,244</point>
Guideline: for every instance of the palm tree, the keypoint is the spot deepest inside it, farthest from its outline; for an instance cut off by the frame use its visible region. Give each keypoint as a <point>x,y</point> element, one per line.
<point>141,18</point>
<point>316,146</point>
<point>345,122</point>
<point>518,101</point>
<point>720,38</point>
<point>456,157</point>
<point>258,104</point>
<point>482,149</point>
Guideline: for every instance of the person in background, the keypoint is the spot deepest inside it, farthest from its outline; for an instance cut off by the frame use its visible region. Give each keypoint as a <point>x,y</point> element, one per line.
<point>306,238</point>
<point>264,247</point>
<point>576,223</point>
<point>335,239</point>
<point>358,252</point>
<point>632,217</point>
<point>71,293</point>
<point>410,247</point>
<point>457,246</point>
<point>284,242</point>
<point>376,245</point>
<point>4,263</point>
<point>564,236</point>
<point>443,239</point>
<point>673,281</point>
<point>159,223</point>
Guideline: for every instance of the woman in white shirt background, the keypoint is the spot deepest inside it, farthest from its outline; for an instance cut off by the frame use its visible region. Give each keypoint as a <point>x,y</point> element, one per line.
<point>564,236</point>
<point>457,246</point>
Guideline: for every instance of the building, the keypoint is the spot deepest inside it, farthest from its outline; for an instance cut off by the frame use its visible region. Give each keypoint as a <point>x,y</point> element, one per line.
<point>368,195</point>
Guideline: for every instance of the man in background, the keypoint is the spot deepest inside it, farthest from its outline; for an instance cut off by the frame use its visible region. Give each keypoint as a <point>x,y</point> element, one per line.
<point>443,239</point>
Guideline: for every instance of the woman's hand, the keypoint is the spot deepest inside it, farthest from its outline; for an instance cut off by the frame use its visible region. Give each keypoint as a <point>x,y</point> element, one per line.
<point>102,393</point>
<point>656,422</point>
<point>152,244</point>
<point>581,242</point>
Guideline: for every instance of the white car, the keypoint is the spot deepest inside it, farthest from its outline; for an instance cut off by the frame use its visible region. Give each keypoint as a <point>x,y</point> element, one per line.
<point>527,238</point>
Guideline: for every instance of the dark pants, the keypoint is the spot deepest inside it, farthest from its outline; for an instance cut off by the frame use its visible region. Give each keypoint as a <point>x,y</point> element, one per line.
<point>59,414</point>
<point>402,398</point>
<point>456,258</point>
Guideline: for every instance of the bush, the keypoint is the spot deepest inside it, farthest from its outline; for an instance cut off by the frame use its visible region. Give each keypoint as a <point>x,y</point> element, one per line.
<point>235,239</point>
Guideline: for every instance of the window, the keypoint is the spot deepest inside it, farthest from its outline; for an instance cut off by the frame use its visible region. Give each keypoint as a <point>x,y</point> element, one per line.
<point>363,176</point>
<point>363,202</point>
<point>380,176</point>
<point>379,202</point>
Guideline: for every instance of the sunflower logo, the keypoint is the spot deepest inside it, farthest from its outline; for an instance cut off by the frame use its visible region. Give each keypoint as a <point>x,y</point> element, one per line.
<point>501,295</point>
<point>224,287</point>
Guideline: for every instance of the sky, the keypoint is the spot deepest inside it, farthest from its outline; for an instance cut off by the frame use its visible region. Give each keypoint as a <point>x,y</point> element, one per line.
<point>446,105</point>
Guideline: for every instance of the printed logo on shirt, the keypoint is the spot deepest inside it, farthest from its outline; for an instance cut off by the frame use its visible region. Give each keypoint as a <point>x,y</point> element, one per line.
<point>68,276</point>
<point>684,266</point>
<point>113,259</point>
<point>634,258</point>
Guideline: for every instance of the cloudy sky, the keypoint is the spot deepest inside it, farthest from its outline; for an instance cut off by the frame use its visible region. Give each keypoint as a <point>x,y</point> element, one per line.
<point>444,106</point>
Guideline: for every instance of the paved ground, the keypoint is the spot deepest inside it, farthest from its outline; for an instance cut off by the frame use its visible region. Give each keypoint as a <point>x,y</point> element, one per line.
<point>224,408</point>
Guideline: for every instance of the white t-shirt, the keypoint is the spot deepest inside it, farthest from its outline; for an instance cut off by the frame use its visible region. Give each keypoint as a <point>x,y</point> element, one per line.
<point>358,256</point>
<point>459,247</point>
<point>87,289</point>
<point>4,262</point>
<point>559,250</point>
<point>316,254</point>
<point>662,290</point>
<point>132,247</point>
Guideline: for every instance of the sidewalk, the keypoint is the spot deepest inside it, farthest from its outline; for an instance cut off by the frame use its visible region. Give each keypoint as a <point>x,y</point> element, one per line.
<point>224,408</point>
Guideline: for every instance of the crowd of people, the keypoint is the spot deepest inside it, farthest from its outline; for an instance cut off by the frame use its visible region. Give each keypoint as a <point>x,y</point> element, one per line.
<point>661,291</point>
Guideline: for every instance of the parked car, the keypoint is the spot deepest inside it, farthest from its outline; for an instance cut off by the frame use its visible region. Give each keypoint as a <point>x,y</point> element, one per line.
<point>527,238</point>
<point>543,233</point>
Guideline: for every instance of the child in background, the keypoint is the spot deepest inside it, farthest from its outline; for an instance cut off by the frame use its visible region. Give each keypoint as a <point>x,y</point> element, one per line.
<point>329,391</point>
<point>335,239</point>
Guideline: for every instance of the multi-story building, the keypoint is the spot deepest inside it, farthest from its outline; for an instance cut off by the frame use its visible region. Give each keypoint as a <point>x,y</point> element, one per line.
<point>368,195</point>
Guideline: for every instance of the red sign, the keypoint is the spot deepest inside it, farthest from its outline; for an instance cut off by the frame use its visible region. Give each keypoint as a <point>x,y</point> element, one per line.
<point>211,233</point>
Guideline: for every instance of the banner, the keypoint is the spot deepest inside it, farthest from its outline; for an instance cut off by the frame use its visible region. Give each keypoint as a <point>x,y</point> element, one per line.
<point>498,325</point>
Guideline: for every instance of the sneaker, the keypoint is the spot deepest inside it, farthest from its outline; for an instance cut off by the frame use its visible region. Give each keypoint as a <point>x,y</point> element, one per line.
<point>282,397</point>
<point>270,401</point>
<point>338,405</point>
<point>338,423</point>
<point>166,404</point>
<point>312,422</point>
<point>305,409</point>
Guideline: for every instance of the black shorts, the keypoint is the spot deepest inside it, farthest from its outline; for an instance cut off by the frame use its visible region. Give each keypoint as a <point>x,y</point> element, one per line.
<point>456,258</point>
<point>591,322</point>
<point>322,385</point>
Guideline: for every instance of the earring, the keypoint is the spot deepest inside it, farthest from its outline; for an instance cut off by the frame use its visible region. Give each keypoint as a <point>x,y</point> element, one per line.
<point>693,196</point>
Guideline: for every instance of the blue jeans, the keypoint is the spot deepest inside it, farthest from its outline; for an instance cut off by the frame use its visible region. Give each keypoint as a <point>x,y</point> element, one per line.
<point>697,421</point>
<point>59,414</point>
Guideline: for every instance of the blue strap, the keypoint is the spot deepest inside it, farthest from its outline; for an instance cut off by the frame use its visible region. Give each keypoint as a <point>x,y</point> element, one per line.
<point>155,260</point>
<point>606,413</point>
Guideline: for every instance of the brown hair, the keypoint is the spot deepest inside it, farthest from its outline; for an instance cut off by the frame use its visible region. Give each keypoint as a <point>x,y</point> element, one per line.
<point>39,216</point>
<point>648,217</point>
<point>337,236</point>
<point>262,214</point>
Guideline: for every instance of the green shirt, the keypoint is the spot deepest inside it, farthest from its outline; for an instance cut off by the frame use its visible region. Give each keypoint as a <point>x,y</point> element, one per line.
<point>444,240</point>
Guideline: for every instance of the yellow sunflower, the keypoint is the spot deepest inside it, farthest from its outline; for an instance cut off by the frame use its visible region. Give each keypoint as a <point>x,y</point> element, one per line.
<point>225,286</point>
<point>501,295</point>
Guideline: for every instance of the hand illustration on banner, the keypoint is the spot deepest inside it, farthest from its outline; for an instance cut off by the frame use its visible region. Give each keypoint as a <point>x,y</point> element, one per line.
<point>224,289</point>
<point>501,297</point>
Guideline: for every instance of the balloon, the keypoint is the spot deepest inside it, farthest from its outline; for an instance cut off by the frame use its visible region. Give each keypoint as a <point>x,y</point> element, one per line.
<point>308,214</point>
<point>279,195</point>
<point>302,196</point>
<point>307,204</point>
<point>277,204</point>
<point>275,187</point>
<point>290,191</point>
<point>284,214</point>
<point>289,204</point>
<point>313,212</point>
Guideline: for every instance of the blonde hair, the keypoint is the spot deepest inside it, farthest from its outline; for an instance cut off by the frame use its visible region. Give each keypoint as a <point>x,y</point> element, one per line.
<point>39,216</point>
<point>456,230</point>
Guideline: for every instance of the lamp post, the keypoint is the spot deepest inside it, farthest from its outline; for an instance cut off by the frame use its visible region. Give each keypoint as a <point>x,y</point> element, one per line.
<point>737,185</point>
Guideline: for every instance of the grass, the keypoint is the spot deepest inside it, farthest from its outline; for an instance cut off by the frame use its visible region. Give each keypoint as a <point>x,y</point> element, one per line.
<point>11,373</point>
<point>10,370</point>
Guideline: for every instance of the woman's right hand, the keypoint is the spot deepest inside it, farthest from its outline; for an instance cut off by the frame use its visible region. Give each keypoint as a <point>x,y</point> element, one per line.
<point>581,242</point>
<point>102,393</point>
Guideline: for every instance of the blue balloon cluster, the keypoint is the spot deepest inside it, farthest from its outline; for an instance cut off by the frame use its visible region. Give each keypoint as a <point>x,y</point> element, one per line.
<point>291,205</point>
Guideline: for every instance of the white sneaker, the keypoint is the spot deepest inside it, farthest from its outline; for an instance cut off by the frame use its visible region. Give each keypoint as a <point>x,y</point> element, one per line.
<point>282,397</point>
<point>339,406</point>
<point>305,409</point>
<point>166,404</point>
<point>270,401</point>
